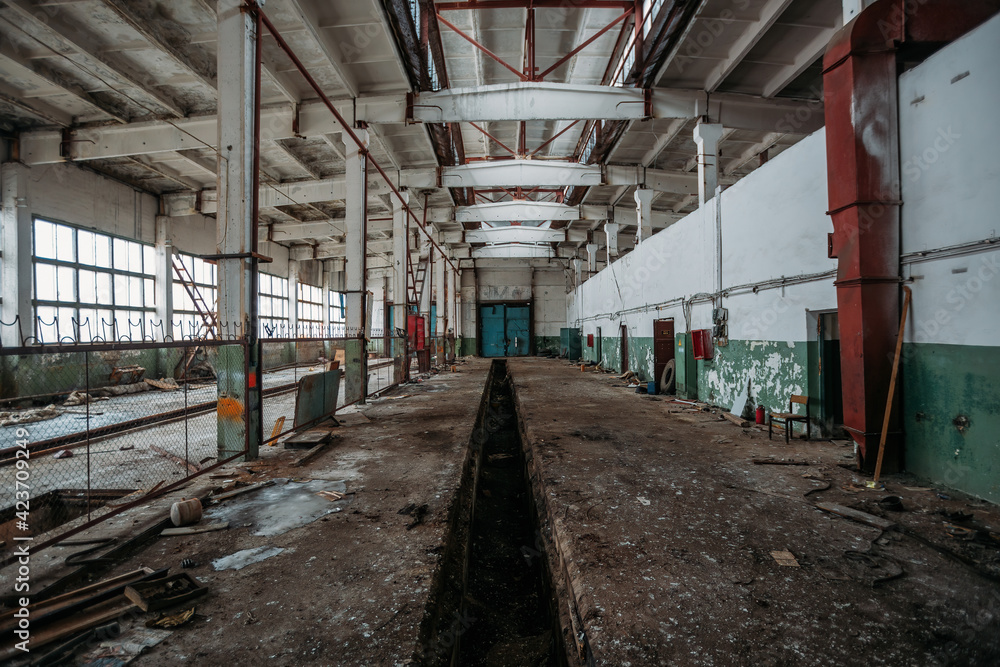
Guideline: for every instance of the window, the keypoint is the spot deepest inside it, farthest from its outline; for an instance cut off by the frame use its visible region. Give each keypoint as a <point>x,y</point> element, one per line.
<point>188,323</point>
<point>272,305</point>
<point>311,321</point>
<point>90,285</point>
<point>338,314</point>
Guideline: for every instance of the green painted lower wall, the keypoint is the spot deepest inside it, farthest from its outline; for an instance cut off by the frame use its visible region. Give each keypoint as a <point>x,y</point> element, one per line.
<point>467,347</point>
<point>942,383</point>
<point>774,370</point>
<point>547,344</point>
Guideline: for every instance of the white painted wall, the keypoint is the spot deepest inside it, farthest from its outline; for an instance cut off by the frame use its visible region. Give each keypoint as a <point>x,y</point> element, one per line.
<point>774,227</point>
<point>951,188</point>
<point>67,193</point>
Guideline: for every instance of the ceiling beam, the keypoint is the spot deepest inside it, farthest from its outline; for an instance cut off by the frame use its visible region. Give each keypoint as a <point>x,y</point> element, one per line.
<point>769,13</point>
<point>520,173</point>
<point>540,100</point>
<point>809,54</point>
<point>169,37</point>
<point>54,79</point>
<point>307,15</point>
<point>662,141</point>
<point>83,53</point>
<point>40,109</point>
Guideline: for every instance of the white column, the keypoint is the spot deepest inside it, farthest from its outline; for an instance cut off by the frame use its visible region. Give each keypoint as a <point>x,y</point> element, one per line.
<point>707,136</point>
<point>15,281</point>
<point>611,234</point>
<point>235,222</point>
<point>644,213</point>
<point>577,271</point>
<point>854,7</point>
<point>400,253</point>
<point>293,296</point>
<point>439,295</point>
<point>356,233</point>
<point>592,257</point>
<point>425,292</point>
<point>452,298</point>
<point>164,277</point>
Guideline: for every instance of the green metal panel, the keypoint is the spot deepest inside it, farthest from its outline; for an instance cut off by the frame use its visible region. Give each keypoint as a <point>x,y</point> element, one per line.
<point>317,396</point>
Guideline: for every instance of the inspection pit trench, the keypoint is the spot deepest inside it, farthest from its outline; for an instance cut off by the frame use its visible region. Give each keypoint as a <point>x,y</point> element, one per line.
<point>494,600</point>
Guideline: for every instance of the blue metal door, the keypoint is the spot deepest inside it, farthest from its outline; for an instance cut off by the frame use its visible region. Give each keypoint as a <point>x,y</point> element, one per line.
<point>517,330</point>
<point>491,323</point>
<point>505,330</point>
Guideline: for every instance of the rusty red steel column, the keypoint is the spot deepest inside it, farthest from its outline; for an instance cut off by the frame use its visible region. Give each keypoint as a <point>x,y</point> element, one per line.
<point>860,71</point>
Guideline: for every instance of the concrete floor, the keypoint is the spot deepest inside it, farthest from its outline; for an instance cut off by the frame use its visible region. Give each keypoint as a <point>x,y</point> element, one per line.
<point>657,525</point>
<point>662,530</point>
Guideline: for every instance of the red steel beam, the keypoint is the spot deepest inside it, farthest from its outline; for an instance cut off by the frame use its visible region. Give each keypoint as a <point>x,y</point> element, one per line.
<point>554,137</point>
<point>494,139</point>
<point>860,83</point>
<point>482,48</point>
<point>594,37</point>
<point>343,123</point>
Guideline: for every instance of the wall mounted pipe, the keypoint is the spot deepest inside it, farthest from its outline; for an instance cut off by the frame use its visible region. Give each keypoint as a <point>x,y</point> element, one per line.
<point>860,71</point>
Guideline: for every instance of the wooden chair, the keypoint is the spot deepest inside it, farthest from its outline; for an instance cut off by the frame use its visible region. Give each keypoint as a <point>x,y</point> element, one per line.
<point>788,419</point>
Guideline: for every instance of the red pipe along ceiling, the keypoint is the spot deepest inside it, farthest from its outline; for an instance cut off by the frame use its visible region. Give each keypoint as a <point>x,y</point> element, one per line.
<point>860,71</point>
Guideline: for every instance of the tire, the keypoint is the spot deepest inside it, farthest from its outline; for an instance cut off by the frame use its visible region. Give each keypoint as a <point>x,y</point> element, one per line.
<point>668,377</point>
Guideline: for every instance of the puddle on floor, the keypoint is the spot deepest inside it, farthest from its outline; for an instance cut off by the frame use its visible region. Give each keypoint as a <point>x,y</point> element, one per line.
<point>277,509</point>
<point>241,559</point>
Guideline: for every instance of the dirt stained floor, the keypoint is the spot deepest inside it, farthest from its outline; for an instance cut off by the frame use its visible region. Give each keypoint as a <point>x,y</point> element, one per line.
<point>670,527</point>
<point>349,588</point>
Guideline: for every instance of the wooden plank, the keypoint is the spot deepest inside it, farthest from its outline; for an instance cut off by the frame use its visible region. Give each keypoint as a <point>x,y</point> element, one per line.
<point>40,610</point>
<point>97,615</point>
<point>742,423</point>
<point>194,530</point>
<point>236,492</point>
<point>855,515</point>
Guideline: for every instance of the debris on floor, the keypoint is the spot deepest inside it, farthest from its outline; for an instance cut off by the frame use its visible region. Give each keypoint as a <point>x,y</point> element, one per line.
<point>124,649</point>
<point>172,620</point>
<point>163,384</point>
<point>14,418</point>
<point>785,558</point>
<point>163,593</point>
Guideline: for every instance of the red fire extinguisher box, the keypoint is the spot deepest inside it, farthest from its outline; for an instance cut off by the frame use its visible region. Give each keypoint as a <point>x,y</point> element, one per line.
<point>701,343</point>
<point>415,330</point>
<point>590,340</point>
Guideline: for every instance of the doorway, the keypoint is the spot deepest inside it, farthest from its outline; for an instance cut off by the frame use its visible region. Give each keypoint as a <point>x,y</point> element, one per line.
<point>599,357</point>
<point>624,335</point>
<point>831,384</point>
<point>504,329</point>
<point>663,351</point>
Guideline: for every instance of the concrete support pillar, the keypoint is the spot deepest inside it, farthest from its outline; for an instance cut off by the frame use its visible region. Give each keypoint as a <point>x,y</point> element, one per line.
<point>644,214</point>
<point>164,278</point>
<point>470,315</point>
<point>15,281</point>
<point>707,136</point>
<point>293,296</point>
<point>611,234</point>
<point>425,292</point>
<point>452,298</point>
<point>441,300</point>
<point>400,254</point>
<point>577,271</point>
<point>356,234</point>
<point>592,257</point>
<point>239,423</point>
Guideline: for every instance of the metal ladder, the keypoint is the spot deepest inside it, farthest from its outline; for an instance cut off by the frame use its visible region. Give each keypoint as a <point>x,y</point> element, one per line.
<point>209,321</point>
